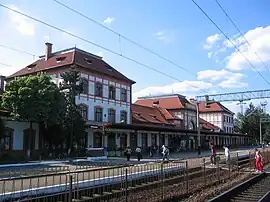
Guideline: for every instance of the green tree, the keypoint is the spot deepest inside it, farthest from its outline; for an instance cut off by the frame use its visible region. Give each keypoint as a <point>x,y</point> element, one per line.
<point>249,122</point>
<point>73,123</point>
<point>34,99</point>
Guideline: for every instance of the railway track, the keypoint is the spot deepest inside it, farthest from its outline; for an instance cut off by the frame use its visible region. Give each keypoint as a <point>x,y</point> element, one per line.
<point>255,189</point>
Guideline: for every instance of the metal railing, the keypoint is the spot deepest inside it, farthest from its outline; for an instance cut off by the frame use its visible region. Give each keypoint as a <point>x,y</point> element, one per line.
<point>157,181</point>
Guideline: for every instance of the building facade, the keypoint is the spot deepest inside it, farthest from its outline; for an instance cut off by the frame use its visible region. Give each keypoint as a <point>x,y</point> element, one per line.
<point>218,115</point>
<point>113,122</point>
<point>16,138</point>
<point>106,95</point>
<point>176,104</point>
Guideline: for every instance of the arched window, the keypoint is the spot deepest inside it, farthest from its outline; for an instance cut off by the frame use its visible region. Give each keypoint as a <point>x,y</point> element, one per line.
<point>84,111</point>
<point>85,86</point>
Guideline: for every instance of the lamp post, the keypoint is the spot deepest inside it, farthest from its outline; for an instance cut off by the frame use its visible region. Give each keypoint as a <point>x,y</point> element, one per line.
<point>198,129</point>
<point>261,131</point>
<point>262,120</point>
<point>196,104</point>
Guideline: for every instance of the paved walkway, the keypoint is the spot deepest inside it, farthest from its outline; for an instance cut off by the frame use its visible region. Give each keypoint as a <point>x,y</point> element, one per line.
<point>190,155</point>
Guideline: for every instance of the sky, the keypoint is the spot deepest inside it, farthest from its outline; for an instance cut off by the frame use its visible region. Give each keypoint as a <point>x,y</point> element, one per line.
<point>199,59</point>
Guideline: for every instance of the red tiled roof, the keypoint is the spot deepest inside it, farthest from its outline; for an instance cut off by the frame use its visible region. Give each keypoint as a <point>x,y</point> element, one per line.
<point>42,64</point>
<point>170,102</point>
<point>167,114</point>
<point>144,114</point>
<point>69,57</point>
<point>213,107</point>
<point>207,125</point>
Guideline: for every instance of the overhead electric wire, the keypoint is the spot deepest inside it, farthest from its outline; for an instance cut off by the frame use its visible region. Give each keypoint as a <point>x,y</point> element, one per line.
<point>100,46</point>
<point>124,37</point>
<point>17,50</point>
<point>127,39</point>
<point>220,6</point>
<point>5,64</point>
<point>230,41</point>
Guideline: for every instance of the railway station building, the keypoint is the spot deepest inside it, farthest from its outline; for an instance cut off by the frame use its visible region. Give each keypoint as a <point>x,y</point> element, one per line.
<point>113,121</point>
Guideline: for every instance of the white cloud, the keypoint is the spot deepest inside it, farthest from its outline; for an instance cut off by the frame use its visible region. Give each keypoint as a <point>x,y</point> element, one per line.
<point>109,20</point>
<point>232,83</point>
<point>229,79</point>
<point>259,39</point>
<point>178,87</point>
<point>210,55</point>
<point>215,75</point>
<point>21,23</point>
<point>235,39</point>
<point>165,36</point>
<point>211,40</point>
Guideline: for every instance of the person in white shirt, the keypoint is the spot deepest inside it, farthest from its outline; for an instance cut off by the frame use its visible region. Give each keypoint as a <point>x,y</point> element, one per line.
<point>139,155</point>
<point>165,153</point>
<point>227,154</point>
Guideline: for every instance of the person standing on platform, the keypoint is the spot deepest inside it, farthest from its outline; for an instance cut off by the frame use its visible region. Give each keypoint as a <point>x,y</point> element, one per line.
<point>165,153</point>
<point>227,154</point>
<point>213,152</point>
<point>139,155</point>
<point>128,153</point>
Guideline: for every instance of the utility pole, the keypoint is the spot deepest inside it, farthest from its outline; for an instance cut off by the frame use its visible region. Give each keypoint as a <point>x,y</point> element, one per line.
<point>261,131</point>
<point>196,104</point>
<point>198,128</point>
<point>263,120</point>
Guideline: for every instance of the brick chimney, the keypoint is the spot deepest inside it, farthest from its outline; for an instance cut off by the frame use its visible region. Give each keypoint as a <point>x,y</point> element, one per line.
<point>48,52</point>
<point>2,82</point>
<point>155,103</point>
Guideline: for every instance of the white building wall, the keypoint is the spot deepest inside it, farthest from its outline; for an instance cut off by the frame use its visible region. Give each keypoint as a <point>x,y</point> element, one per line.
<point>229,124</point>
<point>90,141</point>
<point>218,120</point>
<point>91,103</point>
<point>18,128</point>
<point>214,118</point>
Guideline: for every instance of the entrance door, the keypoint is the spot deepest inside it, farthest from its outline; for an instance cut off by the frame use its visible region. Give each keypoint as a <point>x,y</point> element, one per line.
<point>97,140</point>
